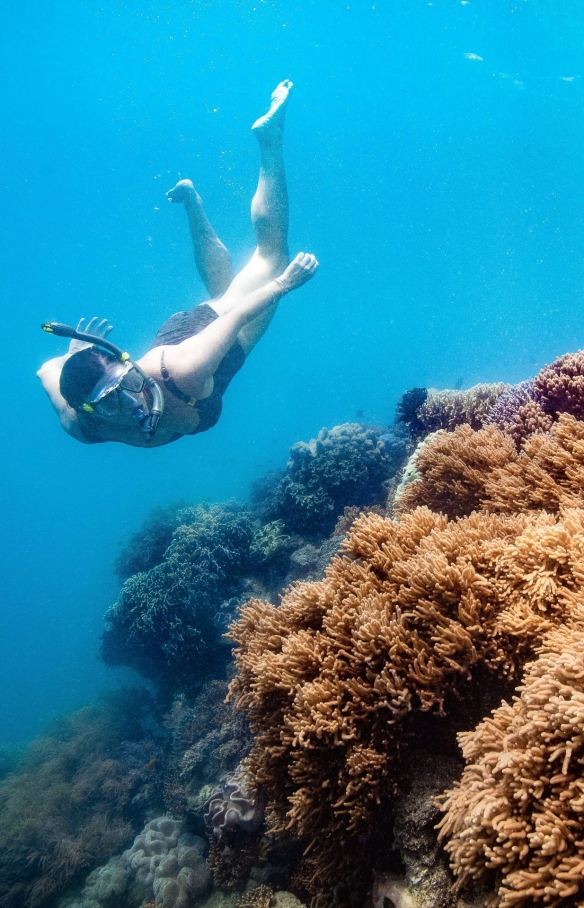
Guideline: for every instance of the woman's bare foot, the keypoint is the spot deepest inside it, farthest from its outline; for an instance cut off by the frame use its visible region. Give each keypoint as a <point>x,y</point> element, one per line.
<point>184,191</point>
<point>272,123</point>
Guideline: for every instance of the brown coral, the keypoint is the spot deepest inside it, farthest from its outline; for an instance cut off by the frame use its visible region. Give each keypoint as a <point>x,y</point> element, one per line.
<point>519,808</point>
<point>260,897</point>
<point>452,468</point>
<point>449,409</point>
<point>331,676</point>
<point>464,470</point>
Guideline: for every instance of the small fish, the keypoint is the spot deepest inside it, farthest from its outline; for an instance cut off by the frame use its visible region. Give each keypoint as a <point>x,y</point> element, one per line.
<point>150,764</point>
<point>359,414</point>
<point>459,383</point>
<point>472,57</point>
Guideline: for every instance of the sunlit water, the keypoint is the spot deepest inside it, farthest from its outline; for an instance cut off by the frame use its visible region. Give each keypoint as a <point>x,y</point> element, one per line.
<point>435,165</point>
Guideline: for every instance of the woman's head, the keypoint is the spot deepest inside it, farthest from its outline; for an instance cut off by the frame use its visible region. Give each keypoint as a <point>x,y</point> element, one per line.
<point>82,372</point>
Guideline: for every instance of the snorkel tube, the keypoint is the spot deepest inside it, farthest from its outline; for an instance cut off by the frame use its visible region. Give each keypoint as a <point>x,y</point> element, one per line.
<point>148,424</point>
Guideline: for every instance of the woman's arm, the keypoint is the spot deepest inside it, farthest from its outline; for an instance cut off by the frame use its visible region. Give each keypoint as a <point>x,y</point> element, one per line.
<point>192,362</point>
<point>50,375</point>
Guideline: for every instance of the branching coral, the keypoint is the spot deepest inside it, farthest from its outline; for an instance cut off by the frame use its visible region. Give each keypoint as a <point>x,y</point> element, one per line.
<point>164,618</point>
<point>519,809</point>
<point>67,808</point>
<point>464,470</point>
<point>518,413</point>
<point>452,467</point>
<point>343,466</point>
<point>449,409</point>
<point>331,676</point>
<point>559,387</point>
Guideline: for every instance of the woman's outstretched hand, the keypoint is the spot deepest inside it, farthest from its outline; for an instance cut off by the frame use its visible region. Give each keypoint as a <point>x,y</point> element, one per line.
<point>299,271</point>
<point>100,328</point>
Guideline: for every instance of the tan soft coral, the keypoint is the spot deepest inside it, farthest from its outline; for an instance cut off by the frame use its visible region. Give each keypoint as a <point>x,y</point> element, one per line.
<point>332,675</point>
<point>519,808</point>
<point>452,468</point>
<point>464,470</point>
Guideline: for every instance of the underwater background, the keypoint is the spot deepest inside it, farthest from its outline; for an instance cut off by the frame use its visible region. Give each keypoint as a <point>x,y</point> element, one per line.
<point>434,157</point>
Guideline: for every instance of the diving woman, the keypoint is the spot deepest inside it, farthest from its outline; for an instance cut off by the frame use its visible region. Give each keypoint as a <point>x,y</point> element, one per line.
<point>100,394</point>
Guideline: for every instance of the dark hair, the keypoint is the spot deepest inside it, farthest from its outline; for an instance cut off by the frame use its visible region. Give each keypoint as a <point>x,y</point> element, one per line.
<point>81,373</point>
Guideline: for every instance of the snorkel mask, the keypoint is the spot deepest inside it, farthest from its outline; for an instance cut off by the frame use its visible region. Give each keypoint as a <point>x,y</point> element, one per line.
<point>121,390</point>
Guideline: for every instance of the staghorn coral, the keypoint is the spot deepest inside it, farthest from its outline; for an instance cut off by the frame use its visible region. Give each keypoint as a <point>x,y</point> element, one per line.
<point>518,811</point>
<point>234,802</point>
<point>449,409</point>
<point>559,387</point>
<point>69,805</point>
<point>464,470</point>
<point>331,678</point>
<point>164,619</point>
<point>343,466</point>
<point>451,468</point>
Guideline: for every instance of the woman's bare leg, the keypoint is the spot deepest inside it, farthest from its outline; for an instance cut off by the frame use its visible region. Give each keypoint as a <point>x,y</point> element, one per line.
<point>269,214</point>
<point>211,256</point>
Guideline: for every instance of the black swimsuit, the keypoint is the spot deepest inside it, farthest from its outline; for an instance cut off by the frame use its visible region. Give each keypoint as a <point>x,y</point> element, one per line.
<point>176,329</point>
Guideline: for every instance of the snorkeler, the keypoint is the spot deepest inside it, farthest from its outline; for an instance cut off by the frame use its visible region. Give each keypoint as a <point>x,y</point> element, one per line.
<point>101,394</point>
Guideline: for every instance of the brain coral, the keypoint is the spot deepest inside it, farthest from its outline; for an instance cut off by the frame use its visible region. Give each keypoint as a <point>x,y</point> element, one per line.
<point>331,677</point>
<point>171,861</point>
<point>164,618</point>
<point>517,815</point>
<point>234,802</point>
<point>343,466</point>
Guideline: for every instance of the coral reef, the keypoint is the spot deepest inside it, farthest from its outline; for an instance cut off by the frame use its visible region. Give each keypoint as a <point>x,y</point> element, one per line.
<point>260,897</point>
<point>519,413</point>
<point>70,803</point>
<point>344,466</point>
<point>163,622</point>
<point>332,677</point>
<point>171,861</point>
<point>559,387</point>
<point>451,468</point>
<point>517,815</point>
<point>104,886</point>
<point>234,802</point>
<point>208,739</point>
<point>449,409</point>
<point>145,548</point>
<point>462,471</point>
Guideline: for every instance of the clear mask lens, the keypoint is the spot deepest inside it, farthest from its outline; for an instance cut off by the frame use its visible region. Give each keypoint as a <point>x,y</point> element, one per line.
<point>114,393</point>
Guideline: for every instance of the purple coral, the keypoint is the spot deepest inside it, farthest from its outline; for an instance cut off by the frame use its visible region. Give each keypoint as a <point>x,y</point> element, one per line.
<point>504,410</point>
<point>559,387</point>
<point>234,803</point>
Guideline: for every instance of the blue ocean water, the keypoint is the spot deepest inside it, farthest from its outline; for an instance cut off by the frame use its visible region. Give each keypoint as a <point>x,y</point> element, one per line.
<point>434,159</point>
